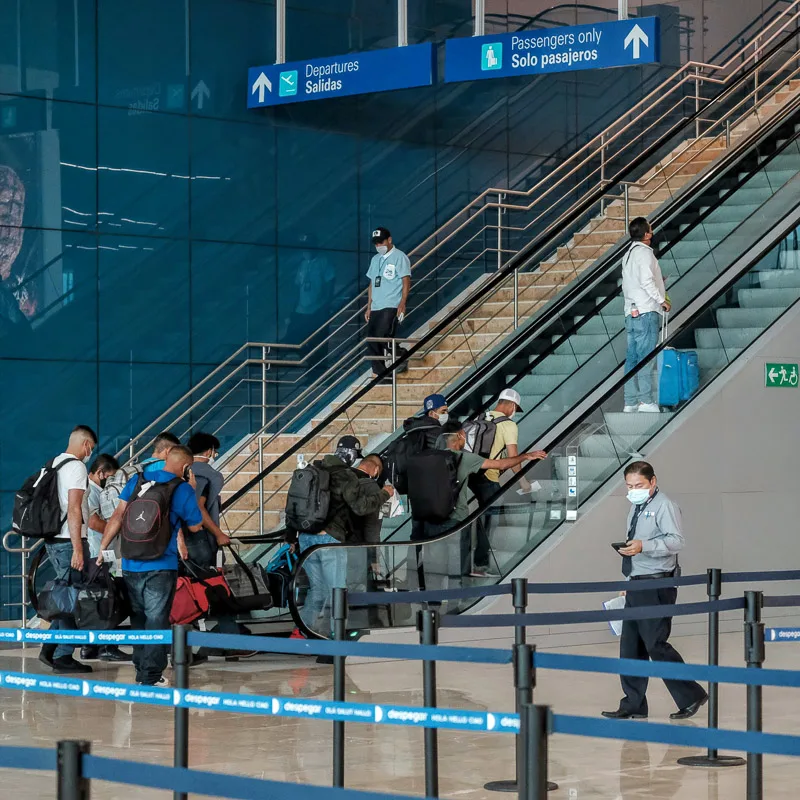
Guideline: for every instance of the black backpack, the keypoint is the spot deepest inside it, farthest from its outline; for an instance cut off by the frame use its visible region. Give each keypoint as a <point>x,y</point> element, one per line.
<point>481,434</point>
<point>146,527</point>
<point>37,512</point>
<point>433,485</point>
<point>397,456</point>
<point>308,500</point>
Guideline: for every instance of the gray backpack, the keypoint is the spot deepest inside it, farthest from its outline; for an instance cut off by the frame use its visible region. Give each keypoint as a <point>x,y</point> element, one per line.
<point>481,434</point>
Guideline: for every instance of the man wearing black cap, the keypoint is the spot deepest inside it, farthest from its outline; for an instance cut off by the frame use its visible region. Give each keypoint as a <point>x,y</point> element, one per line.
<point>351,498</point>
<point>389,284</point>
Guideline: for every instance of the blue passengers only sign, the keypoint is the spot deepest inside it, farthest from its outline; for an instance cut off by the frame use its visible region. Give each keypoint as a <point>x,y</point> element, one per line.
<point>622,43</point>
<point>339,76</point>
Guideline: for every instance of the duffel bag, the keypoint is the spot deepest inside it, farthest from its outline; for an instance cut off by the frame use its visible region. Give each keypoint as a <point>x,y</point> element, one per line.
<point>58,600</point>
<point>197,594</point>
<point>102,603</point>
<point>279,573</point>
<point>249,591</point>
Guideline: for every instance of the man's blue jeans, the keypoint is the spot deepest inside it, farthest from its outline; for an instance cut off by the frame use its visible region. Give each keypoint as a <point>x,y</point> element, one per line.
<point>642,334</point>
<point>151,596</point>
<point>59,552</point>
<point>326,570</point>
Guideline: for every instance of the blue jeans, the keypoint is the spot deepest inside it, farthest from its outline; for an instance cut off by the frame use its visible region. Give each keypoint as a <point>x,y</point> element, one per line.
<point>326,570</point>
<point>642,340</point>
<point>59,551</point>
<point>151,596</point>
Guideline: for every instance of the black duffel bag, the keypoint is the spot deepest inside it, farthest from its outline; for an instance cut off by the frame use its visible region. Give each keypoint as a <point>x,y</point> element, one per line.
<point>249,591</point>
<point>57,600</point>
<point>102,602</point>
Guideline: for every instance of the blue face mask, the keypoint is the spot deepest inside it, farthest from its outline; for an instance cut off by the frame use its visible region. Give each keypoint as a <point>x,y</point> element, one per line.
<point>638,496</point>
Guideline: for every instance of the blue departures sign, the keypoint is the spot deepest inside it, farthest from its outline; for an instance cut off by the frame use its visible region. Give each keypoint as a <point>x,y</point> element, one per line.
<point>339,76</point>
<point>607,44</point>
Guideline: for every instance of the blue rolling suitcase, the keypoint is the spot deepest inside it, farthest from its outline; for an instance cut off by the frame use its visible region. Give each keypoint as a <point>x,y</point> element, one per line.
<point>678,374</point>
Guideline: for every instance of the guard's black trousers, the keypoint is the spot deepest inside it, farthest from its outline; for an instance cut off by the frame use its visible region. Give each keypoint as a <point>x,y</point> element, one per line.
<point>382,324</point>
<point>647,639</point>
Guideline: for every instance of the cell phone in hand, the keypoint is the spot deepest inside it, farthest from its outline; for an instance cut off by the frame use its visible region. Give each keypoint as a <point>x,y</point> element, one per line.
<point>619,545</point>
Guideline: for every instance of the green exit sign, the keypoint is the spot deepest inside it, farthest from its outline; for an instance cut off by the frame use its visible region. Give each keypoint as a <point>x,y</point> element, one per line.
<point>780,376</point>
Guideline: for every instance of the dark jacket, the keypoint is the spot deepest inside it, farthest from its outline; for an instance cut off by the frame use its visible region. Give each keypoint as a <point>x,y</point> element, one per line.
<point>353,497</point>
<point>430,429</point>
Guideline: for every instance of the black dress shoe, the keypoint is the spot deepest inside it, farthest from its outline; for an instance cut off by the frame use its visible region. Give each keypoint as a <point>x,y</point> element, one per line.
<point>46,654</point>
<point>112,654</point>
<point>69,664</point>
<point>620,714</point>
<point>90,652</point>
<point>689,711</point>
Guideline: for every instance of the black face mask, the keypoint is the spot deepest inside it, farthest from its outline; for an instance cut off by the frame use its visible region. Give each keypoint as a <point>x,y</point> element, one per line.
<point>103,482</point>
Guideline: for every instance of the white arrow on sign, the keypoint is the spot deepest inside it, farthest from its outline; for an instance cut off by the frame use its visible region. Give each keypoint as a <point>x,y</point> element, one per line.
<point>773,374</point>
<point>262,82</point>
<point>637,37</point>
<point>200,93</point>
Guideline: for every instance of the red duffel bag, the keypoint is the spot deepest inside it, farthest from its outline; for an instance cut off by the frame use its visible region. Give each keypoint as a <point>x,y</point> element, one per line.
<point>197,593</point>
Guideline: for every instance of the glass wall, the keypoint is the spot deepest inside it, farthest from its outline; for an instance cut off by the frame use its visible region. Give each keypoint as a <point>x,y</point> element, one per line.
<point>150,224</point>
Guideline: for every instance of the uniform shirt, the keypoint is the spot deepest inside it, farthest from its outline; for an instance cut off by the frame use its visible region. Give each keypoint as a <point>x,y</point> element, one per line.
<point>660,530</point>
<point>386,275</point>
<point>507,433</point>
<point>71,476</point>
<point>468,464</point>
<point>183,510</point>
<point>642,283</point>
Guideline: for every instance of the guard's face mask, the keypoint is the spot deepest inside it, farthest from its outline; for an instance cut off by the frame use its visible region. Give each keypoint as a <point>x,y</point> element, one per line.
<point>382,249</point>
<point>638,496</point>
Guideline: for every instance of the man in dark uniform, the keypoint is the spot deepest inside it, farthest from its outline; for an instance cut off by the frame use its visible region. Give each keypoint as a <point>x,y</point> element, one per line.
<point>655,537</point>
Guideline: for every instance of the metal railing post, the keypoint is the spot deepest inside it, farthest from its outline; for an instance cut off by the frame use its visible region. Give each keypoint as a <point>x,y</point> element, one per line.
<point>428,627</point>
<point>697,102</point>
<point>480,18</point>
<point>260,442</point>
<point>754,657</point>
<point>516,299</point>
<point>757,50</point>
<point>602,159</point>
<point>339,614</point>
<point>712,758</point>
<point>402,23</point>
<point>180,667</point>
<point>622,9</point>
<point>727,134</point>
<point>263,386</point>
<point>627,191</point>
<point>280,31</point>
<point>499,231</point>
<point>23,597</point>
<point>71,785</point>
<point>394,385</point>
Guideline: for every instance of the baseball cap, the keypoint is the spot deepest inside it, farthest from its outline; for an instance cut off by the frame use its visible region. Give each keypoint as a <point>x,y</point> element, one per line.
<point>350,443</point>
<point>434,401</point>
<point>512,396</point>
<point>380,235</point>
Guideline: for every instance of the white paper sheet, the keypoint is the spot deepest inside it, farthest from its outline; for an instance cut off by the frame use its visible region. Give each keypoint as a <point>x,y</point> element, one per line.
<point>615,604</point>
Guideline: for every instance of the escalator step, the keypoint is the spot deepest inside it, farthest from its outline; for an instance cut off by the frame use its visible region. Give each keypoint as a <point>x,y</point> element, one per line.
<point>745,318</point>
<point>769,298</point>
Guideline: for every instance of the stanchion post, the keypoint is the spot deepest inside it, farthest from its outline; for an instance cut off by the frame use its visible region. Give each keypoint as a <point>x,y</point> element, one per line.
<point>712,758</point>
<point>519,597</point>
<point>339,634</point>
<point>534,726</point>
<point>428,627</point>
<point>70,783</point>
<point>754,657</point>
<point>180,668</point>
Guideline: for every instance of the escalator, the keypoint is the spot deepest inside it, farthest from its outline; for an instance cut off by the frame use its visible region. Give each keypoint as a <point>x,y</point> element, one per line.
<point>720,248</point>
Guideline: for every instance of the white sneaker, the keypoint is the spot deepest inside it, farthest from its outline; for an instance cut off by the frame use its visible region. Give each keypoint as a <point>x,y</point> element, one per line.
<point>630,409</point>
<point>161,683</point>
<point>651,408</point>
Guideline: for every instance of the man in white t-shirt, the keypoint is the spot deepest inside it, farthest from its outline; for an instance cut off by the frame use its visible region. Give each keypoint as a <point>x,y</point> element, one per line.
<point>69,549</point>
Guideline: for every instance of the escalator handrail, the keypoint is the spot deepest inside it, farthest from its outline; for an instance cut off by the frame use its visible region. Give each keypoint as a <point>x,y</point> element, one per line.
<point>785,226</point>
<point>471,382</point>
<point>514,263</point>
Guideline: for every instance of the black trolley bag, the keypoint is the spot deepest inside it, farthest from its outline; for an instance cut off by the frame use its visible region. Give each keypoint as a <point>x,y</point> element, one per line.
<point>433,485</point>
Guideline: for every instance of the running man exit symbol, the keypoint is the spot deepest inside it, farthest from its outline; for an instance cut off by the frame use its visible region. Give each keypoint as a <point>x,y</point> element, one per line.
<point>781,375</point>
<point>492,56</point>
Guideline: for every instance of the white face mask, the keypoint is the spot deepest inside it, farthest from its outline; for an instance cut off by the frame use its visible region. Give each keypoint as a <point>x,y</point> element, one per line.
<point>443,417</point>
<point>382,249</point>
<point>638,496</point>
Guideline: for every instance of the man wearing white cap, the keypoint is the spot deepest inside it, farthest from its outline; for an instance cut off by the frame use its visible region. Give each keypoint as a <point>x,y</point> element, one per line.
<point>485,484</point>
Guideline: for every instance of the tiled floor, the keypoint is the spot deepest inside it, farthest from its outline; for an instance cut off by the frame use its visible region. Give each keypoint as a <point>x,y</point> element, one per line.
<point>390,759</point>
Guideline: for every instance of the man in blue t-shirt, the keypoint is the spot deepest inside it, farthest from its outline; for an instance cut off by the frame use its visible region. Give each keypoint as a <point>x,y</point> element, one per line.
<point>389,284</point>
<point>151,584</point>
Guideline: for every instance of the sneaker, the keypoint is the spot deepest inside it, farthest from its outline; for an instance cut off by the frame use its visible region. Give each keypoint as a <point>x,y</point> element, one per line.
<point>297,634</point>
<point>480,572</point>
<point>113,655</point>
<point>69,664</point>
<point>161,683</point>
<point>630,409</point>
<point>651,408</point>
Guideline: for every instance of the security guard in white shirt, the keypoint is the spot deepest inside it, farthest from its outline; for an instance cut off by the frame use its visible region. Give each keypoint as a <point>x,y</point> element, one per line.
<point>654,540</point>
<point>645,302</point>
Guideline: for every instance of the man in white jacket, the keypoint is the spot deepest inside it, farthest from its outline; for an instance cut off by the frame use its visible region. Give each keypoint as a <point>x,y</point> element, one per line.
<point>645,302</point>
